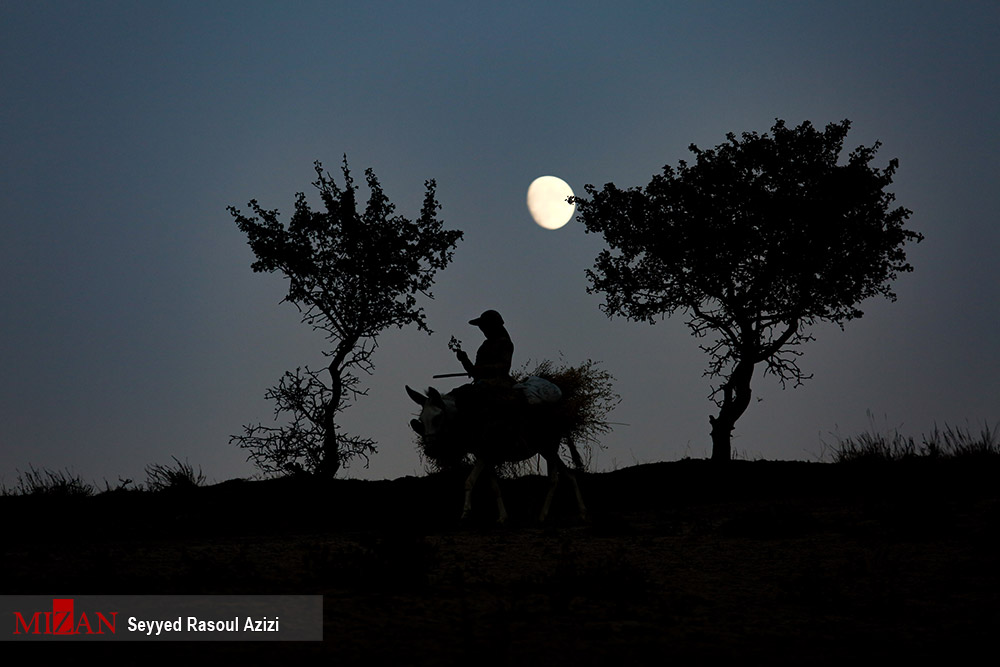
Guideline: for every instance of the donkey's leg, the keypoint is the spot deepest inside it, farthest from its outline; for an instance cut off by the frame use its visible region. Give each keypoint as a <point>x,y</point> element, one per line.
<point>553,464</point>
<point>470,483</point>
<point>501,510</point>
<point>576,490</point>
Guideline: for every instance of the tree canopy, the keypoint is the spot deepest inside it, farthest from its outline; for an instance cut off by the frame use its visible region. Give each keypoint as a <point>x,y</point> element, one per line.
<point>351,274</point>
<point>756,240</point>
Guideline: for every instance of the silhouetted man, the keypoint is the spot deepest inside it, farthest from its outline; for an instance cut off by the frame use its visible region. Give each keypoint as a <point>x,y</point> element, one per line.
<point>490,399</point>
<point>494,357</point>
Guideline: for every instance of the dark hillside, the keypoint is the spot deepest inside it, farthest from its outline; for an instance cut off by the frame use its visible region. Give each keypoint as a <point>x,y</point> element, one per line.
<point>767,562</point>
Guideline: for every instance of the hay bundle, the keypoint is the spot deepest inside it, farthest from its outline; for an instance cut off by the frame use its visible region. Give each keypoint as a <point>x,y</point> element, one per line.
<point>581,414</point>
<point>588,397</point>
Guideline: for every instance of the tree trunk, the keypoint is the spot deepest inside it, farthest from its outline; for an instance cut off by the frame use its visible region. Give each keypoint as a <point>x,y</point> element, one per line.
<point>735,400</point>
<point>330,463</point>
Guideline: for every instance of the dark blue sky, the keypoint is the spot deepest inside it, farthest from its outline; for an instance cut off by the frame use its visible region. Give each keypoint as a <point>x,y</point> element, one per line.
<point>134,329</point>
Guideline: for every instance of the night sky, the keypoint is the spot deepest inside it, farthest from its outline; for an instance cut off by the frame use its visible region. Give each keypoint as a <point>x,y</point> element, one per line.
<point>134,329</point>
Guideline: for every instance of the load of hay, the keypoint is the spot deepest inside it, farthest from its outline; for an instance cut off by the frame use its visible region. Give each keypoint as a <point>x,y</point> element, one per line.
<point>588,397</point>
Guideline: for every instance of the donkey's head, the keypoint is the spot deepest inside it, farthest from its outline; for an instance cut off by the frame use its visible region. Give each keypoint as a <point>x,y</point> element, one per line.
<point>434,413</point>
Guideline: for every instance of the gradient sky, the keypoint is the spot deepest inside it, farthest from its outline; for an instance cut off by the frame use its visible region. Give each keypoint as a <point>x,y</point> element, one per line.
<point>134,329</point>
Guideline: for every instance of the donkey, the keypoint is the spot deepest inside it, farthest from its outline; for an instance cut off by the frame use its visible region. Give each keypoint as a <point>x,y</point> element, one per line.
<point>448,430</point>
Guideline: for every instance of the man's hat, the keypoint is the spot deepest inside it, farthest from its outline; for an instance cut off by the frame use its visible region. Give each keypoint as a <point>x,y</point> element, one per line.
<point>489,318</point>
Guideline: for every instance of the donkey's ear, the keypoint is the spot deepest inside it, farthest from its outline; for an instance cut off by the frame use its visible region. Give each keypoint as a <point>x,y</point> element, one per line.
<point>435,397</point>
<point>417,397</point>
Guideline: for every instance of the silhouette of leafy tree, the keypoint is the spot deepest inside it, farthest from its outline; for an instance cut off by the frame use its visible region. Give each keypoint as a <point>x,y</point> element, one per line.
<point>758,239</point>
<point>351,274</point>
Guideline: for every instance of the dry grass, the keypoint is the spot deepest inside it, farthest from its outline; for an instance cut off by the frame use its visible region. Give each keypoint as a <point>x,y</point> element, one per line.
<point>890,446</point>
<point>47,482</point>
<point>160,476</point>
<point>588,396</point>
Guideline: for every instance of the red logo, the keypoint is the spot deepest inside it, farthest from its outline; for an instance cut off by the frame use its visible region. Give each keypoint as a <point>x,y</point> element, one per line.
<point>63,621</point>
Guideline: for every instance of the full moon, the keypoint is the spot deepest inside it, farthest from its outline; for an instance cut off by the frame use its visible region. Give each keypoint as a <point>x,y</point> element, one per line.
<point>547,202</point>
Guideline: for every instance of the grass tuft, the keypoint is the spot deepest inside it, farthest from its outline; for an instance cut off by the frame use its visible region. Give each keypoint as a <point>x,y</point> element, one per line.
<point>53,483</point>
<point>160,477</point>
<point>947,443</point>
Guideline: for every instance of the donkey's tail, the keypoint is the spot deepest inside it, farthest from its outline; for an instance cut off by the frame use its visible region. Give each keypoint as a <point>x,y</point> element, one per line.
<point>574,454</point>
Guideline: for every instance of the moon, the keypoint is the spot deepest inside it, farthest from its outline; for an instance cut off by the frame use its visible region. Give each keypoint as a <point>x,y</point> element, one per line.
<point>547,202</point>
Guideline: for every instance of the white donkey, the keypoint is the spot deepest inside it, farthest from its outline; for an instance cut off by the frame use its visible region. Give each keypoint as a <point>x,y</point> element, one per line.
<point>445,428</point>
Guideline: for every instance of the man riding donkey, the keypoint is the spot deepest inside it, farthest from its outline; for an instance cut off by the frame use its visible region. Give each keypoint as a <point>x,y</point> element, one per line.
<point>494,419</point>
<point>490,398</point>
